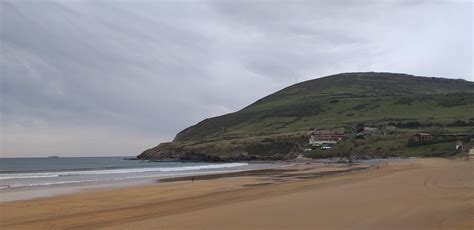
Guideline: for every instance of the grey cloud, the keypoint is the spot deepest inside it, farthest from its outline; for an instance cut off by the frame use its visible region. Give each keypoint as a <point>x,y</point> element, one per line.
<point>130,74</point>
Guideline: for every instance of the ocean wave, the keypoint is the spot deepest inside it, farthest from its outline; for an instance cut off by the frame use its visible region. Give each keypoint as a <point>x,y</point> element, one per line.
<point>19,176</point>
<point>13,186</point>
<point>117,171</point>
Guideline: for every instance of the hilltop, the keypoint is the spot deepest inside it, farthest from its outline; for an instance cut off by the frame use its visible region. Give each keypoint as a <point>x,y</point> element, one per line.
<point>276,126</point>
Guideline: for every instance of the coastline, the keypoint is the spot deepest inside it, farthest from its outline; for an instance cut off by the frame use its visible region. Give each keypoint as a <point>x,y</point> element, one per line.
<point>254,168</point>
<point>423,193</point>
<point>43,191</point>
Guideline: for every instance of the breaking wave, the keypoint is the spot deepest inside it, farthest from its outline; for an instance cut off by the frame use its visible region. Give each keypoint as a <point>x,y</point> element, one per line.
<point>9,176</point>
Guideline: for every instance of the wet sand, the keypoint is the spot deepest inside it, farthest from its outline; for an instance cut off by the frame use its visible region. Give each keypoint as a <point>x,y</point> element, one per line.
<point>419,194</point>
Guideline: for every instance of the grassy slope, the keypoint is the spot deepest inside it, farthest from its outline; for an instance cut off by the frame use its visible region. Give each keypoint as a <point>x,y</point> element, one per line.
<point>277,123</point>
<point>340,100</point>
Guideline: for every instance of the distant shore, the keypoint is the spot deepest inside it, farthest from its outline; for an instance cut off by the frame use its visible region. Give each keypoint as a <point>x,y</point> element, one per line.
<point>422,193</point>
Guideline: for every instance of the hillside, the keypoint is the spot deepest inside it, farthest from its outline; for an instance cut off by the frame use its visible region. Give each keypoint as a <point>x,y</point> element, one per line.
<point>341,100</point>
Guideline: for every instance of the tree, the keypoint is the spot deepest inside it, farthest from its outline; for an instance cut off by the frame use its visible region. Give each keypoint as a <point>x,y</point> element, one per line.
<point>344,149</point>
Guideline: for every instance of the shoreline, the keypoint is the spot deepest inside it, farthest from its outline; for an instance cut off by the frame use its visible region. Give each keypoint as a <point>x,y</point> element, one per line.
<point>32,193</point>
<point>423,193</point>
<point>256,173</point>
<point>44,191</point>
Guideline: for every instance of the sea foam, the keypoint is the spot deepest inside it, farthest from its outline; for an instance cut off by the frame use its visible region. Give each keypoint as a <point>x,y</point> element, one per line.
<point>9,176</point>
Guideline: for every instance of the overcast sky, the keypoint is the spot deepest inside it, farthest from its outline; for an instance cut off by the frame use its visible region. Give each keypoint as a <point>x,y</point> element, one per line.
<point>84,78</point>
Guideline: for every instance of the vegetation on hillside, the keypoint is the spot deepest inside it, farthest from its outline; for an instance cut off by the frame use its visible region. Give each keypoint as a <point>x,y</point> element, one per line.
<point>276,126</point>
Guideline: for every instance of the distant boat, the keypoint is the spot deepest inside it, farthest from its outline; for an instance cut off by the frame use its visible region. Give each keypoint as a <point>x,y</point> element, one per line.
<point>54,156</point>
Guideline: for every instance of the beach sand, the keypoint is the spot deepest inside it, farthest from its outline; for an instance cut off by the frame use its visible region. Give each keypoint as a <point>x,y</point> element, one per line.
<point>418,194</point>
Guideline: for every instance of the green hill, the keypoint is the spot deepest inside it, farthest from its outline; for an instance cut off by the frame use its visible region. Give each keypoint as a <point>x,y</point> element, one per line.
<point>272,125</point>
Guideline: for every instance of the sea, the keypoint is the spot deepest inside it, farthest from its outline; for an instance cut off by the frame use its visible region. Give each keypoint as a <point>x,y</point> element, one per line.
<point>38,172</point>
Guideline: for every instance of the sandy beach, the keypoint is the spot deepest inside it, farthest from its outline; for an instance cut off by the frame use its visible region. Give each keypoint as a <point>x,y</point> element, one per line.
<point>417,194</point>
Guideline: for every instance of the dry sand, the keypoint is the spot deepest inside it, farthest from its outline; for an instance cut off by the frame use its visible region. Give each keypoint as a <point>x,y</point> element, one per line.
<point>421,194</point>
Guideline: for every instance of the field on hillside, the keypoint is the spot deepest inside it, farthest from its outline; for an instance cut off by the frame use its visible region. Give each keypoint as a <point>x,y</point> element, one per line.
<point>277,126</point>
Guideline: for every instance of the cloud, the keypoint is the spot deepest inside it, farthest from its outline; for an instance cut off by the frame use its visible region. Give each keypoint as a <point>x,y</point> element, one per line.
<point>113,78</point>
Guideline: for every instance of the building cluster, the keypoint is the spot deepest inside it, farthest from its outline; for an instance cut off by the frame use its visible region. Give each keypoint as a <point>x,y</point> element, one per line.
<point>325,139</point>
